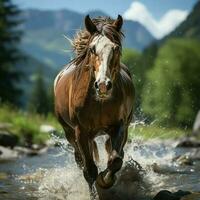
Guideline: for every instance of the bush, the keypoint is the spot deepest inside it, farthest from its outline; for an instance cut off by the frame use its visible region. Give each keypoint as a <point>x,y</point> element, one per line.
<point>155,132</point>
<point>27,125</point>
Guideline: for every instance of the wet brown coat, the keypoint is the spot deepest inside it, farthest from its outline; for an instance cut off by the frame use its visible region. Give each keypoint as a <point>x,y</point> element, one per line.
<point>84,116</point>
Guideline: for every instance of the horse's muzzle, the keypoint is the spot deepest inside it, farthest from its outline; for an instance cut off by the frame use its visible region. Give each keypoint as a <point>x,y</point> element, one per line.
<point>103,89</point>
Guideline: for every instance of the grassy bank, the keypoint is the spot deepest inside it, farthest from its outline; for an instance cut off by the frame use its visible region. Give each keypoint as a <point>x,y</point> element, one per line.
<point>27,125</point>
<point>155,132</point>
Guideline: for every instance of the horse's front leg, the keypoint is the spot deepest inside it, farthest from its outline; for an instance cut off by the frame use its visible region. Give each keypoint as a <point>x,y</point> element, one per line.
<point>90,170</point>
<point>118,136</point>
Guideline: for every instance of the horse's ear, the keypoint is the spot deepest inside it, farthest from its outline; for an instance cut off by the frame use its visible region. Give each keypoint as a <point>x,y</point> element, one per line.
<point>118,23</point>
<point>89,25</point>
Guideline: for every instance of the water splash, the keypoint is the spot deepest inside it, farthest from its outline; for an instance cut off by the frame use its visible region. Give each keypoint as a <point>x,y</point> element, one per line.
<point>61,179</point>
<point>62,184</point>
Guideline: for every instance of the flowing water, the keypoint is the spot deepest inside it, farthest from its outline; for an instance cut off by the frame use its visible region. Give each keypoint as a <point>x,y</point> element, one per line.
<point>54,175</point>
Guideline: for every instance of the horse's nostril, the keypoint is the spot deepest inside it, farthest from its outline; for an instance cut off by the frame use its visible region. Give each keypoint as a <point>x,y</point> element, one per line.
<point>96,85</point>
<point>109,85</point>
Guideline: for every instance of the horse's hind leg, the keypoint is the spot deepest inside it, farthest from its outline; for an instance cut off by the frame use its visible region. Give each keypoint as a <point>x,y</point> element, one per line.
<point>118,137</point>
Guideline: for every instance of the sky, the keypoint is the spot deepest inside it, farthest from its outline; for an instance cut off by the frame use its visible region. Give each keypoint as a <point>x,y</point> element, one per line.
<point>158,16</point>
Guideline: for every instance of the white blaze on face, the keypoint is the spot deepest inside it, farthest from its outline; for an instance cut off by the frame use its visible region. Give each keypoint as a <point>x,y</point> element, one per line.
<point>104,49</point>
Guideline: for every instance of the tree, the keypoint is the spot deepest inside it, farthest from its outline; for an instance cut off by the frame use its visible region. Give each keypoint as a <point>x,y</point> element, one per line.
<point>39,100</point>
<point>132,59</point>
<point>50,94</point>
<point>171,93</point>
<point>10,36</point>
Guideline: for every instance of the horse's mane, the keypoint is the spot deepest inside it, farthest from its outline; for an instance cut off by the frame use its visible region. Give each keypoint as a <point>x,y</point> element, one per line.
<point>105,26</point>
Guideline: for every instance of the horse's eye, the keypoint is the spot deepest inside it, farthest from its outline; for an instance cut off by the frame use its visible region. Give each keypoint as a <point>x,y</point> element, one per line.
<point>92,50</point>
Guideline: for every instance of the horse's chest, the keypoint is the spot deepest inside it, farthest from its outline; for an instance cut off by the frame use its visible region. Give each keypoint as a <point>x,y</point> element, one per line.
<point>99,115</point>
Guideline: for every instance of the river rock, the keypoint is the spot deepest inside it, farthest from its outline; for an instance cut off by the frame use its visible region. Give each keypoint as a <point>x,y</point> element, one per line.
<point>45,128</point>
<point>189,142</point>
<point>165,169</point>
<point>7,154</point>
<point>195,155</point>
<point>183,160</point>
<point>51,143</point>
<point>196,126</point>
<point>29,151</point>
<point>167,195</point>
<point>5,126</point>
<point>8,139</point>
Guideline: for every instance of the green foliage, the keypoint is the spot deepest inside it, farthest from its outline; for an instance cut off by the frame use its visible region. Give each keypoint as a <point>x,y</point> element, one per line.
<point>26,128</point>
<point>30,67</point>
<point>139,64</point>
<point>10,54</point>
<point>155,132</point>
<point>148,56</point>
<point>132,59</point>
<point>40,99</point>
<point>171,93</point>
<point>27,125</point>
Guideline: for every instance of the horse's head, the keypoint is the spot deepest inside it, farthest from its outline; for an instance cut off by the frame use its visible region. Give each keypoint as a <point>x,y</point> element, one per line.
<point>104,53</point>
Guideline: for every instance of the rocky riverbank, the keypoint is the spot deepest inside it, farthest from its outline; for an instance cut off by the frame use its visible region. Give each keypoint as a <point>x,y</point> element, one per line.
<point>12,148</point>
<point>153,170</point>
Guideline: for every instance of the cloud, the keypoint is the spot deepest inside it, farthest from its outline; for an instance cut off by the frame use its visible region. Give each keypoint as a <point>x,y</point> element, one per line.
<point>159,28</point>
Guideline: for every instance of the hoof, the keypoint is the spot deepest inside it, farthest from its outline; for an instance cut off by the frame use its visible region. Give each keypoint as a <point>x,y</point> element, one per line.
<point>105,182</point>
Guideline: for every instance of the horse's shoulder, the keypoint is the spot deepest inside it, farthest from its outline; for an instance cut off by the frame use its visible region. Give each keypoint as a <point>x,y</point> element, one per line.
<point>66,70</point>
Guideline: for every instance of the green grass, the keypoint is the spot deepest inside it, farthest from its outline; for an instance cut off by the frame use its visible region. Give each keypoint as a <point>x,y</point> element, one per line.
<point>27,125</point>
<point>155,132</point>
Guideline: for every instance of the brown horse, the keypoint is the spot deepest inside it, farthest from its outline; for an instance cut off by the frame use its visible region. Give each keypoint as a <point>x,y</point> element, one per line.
<point>94,95</point>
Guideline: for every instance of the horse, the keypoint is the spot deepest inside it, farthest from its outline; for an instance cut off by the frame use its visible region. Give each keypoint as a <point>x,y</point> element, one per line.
<point>94,95</point>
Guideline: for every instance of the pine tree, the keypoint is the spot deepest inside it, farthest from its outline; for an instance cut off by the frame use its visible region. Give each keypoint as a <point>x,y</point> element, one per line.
<point>39,101</point>
<point>10,36</point>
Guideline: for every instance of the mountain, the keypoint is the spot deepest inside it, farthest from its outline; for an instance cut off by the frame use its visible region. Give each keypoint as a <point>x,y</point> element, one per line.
<point>190,28</point>
<point>44,34</point>
<point>136,36</point>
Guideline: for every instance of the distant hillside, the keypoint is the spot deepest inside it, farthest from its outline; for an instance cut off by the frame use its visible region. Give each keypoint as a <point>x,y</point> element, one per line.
<point>44,32</point>
<point>136,36</point>
<point>30,67</point>
<point>190,28</point>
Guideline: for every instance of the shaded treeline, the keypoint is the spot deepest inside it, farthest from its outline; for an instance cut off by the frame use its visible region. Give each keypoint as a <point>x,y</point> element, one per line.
<point>10,54</point>
<point>13,77</point>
